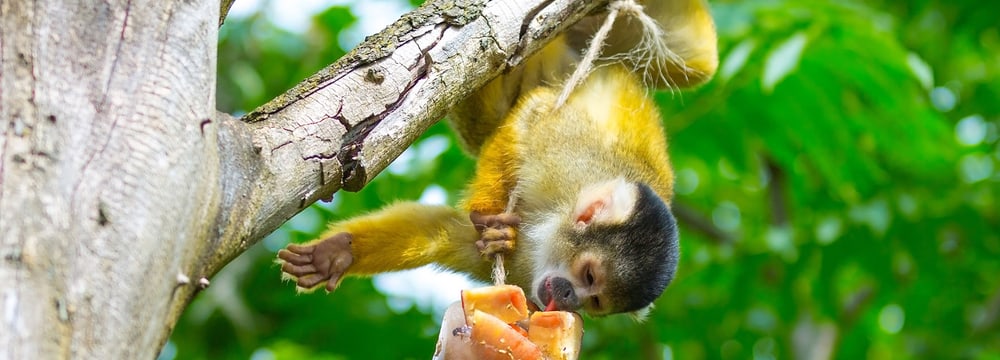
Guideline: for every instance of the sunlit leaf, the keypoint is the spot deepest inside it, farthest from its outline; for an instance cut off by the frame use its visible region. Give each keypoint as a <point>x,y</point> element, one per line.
<point>921,70</point>
<point>736,59</point>
<point>783,60</point>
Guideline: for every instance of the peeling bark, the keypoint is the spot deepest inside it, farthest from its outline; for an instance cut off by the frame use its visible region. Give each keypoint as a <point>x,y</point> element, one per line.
<point>122,190</point>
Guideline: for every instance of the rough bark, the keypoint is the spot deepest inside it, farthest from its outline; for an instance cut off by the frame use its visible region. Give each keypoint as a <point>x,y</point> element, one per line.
<point>108,178</point>
<point>122,190</point>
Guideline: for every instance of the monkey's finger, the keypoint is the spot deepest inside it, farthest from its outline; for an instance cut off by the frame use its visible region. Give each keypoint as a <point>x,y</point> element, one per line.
<point>480,219</point>
<point>338,267</point>
<point>509,219</point>
<point>294,258</point>
<point>311,280</point>
<point>506,245</point>
<point>333,283</point>
<point>298,270</point>
<point>494,221</point>
<point>494,247</point>
<point>301,249</point>
<point>492,234</point>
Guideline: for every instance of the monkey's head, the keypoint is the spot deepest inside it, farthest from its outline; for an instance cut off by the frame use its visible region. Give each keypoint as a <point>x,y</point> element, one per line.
<point>615,253</point>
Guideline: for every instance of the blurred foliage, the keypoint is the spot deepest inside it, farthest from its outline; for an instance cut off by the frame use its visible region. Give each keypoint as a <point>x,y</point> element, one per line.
<point>837,181</point>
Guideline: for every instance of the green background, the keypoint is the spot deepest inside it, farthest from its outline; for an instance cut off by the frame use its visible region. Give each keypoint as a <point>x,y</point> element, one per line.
<point>837,188</point>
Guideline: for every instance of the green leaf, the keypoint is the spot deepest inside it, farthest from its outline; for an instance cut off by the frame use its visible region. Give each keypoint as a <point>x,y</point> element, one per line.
<point>783,60</point>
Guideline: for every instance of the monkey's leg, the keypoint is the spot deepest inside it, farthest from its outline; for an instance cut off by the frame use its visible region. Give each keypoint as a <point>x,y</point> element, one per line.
<point>398,237</point>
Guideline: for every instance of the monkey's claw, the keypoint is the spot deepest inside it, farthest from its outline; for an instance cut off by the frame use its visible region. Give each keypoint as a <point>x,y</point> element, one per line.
<point>323,261</point>
<point>496,232</point>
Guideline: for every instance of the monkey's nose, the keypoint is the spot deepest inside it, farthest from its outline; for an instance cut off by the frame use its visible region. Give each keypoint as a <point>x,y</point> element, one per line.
<point>563,294</point>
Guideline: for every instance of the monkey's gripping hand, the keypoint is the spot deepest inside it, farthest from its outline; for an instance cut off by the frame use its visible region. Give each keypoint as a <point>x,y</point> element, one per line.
<point>323,261</point>
<point>496,232</point>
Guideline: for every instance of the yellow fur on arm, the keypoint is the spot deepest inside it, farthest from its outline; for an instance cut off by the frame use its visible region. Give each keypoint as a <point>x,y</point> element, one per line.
<point>490,190</point>
<point>404,236</point>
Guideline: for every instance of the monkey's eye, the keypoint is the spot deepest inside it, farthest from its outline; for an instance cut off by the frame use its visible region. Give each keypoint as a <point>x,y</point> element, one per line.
<point>590,277</point>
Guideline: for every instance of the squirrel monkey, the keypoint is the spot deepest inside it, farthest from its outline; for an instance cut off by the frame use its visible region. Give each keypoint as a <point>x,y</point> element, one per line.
<point>589,183</point>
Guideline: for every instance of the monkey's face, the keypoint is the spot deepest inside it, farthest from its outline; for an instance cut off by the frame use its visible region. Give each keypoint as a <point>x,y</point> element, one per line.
<point>617,253</point>
<point>578,286</point>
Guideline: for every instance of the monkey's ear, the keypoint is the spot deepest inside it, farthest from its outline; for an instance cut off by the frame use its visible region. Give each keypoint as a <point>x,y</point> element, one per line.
<point>609,202</point>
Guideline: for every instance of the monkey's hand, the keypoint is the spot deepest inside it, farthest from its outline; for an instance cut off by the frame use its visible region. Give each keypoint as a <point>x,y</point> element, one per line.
<point>496,232</point>
<point>322,261</point>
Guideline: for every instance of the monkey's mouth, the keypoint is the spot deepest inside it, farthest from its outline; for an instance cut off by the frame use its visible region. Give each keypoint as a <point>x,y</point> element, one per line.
<point>545,295</point>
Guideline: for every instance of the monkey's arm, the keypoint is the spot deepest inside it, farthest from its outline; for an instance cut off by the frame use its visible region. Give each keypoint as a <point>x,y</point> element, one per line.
<point>401,236</point>
<point>491,191</point>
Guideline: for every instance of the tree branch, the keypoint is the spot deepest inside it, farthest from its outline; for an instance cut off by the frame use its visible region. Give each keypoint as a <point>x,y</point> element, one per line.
<point>697,221</point>
<point>776,193</point>
<point>224,6</point>
<point>342,126</point>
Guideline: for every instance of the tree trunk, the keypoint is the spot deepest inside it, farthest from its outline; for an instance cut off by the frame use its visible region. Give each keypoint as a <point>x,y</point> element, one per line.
<point>109,182</point>
<point>122,190</point>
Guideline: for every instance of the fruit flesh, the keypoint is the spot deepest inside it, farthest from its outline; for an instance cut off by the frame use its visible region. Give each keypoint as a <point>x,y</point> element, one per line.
<point>556,333</point>
<point>506,302</point>
<point>485,325</point>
